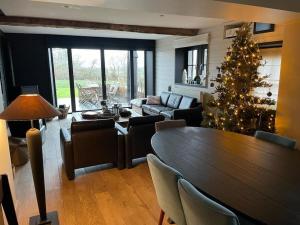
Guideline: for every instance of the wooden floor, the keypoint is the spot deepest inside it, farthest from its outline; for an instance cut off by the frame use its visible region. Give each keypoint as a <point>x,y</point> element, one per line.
<point>97,196</point>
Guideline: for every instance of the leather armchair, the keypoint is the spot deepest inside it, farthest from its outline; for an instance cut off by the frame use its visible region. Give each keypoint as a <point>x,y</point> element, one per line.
<point>138,137</point>
<point>91,143</point>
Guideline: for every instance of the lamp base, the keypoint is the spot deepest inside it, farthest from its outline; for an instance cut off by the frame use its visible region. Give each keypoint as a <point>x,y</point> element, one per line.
<point>52,218</point>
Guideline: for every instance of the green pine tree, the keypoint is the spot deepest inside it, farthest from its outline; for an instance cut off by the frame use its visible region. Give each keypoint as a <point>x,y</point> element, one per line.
<point>238,109</point>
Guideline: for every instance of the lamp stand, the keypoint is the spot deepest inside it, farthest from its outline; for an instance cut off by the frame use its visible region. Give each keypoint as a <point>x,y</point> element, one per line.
<point>34,143</point>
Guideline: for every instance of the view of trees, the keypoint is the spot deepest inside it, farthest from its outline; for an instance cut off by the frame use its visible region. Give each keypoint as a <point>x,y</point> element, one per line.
<point>87,72</point>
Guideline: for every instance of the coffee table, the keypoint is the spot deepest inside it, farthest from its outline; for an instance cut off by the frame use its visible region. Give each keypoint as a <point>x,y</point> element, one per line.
<point>123,121</point>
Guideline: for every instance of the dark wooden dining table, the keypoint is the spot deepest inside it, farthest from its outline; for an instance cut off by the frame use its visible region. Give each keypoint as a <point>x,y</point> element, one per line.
<point>254,178</point>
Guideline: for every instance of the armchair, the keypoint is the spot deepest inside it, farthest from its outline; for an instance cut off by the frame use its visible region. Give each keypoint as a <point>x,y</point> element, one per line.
<point>91,143</point>
<point>138,136</point>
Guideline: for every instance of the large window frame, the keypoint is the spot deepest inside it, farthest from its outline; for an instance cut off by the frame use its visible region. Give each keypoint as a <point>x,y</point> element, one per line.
<point>132,73</point>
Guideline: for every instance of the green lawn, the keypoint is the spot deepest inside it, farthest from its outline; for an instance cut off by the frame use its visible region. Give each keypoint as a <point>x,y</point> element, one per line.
<point>63,88</point>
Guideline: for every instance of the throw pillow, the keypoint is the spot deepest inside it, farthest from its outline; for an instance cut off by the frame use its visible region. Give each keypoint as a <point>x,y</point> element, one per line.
<point>153,100</point>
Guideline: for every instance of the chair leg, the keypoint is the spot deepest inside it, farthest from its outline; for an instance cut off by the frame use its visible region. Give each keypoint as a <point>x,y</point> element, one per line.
<point>161,217</point>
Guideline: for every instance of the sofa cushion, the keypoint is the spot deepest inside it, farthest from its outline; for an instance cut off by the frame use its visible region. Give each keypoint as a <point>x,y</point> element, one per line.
<point>167,114</point>
<point>164,96</point>
<point>174,100</point>
<point>187,102</point>
<point>153,100</point>
<point>157,109</point>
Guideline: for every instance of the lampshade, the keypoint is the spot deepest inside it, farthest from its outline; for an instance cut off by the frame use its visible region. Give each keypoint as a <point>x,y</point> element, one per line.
<point>29,107</point>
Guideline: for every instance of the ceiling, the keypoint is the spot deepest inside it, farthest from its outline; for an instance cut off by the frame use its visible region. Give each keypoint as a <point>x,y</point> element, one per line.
<point>80,32</point>
<point>197,14</point>
<point>289,5</point>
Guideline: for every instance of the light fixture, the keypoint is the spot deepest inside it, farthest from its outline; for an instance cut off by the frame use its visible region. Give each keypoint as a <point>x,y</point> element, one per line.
<point>32,107</point>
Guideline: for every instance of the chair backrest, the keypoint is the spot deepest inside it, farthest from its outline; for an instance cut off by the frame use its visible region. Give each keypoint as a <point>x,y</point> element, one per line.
<point>276,139</point>
<point>165,183</point>
<point>144,120</point>
<point>94,142</point>
<point>140,132</point>
<point>200,210</point>
<point>167,124</point>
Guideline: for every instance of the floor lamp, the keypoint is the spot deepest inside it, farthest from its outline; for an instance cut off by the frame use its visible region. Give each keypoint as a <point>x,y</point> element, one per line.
<point>32,107</point>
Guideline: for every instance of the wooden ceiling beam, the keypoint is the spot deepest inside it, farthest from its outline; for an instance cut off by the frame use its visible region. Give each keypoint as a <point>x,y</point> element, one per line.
<point>59,23</point>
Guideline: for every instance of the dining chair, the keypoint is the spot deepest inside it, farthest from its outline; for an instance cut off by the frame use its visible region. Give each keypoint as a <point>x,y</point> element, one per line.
<point>167,124</point>
<point>165,183</point>
<point>200,210</point>
<point>276,139</point>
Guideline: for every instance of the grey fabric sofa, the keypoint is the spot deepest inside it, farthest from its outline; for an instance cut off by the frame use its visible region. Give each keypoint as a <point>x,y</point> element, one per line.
<point>175,106</point>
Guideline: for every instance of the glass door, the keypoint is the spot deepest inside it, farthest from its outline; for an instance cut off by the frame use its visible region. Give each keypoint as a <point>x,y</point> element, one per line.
<point>139,87</point>
<point>61,76</point>
<point>87,78</point>
<point>117,76</point>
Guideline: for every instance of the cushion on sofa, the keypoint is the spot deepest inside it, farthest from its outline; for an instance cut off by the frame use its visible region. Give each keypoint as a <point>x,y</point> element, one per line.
<point>153,100</point>
<point>167,114</point>
<point>164,96</point>
<point>158,109</point>
<point>147,107</point>
<point>187,102</point>
<point>174,101</point>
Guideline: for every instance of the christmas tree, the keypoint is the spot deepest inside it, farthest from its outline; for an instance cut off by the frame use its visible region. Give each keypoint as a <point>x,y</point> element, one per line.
<point>237,108</point>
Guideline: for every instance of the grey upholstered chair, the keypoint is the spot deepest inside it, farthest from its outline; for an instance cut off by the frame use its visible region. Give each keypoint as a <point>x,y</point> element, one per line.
<point>169,124</point>
<point>276,139</point>
<point>165,183</point>
<point>200,210</point>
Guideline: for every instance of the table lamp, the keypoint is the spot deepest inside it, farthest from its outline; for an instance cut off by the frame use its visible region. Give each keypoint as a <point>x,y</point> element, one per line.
<point>30,107</point>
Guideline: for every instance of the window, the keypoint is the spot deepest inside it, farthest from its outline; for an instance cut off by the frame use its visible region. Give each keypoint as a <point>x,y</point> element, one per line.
<point>85,77</point>
<point>117,78</point>
<point>139,64</point>
<point>272,59</point>
<point>191,65</point>
<point>61,72</point>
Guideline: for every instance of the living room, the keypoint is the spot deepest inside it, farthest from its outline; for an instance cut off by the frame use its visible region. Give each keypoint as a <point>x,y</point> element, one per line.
<point>139,112</point>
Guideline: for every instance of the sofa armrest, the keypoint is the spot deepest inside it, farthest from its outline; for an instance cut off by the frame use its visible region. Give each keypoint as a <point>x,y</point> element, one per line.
<point>67,152</point>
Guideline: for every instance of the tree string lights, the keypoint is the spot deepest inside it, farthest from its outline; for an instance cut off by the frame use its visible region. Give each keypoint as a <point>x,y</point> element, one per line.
<point>238,109</point>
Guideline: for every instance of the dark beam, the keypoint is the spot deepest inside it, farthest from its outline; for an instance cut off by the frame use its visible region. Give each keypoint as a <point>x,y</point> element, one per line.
<point>45,22</point>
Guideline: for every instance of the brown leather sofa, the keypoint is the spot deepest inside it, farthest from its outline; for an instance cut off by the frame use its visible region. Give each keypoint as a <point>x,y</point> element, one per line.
<point>138,136</point>
<point>91,143</point>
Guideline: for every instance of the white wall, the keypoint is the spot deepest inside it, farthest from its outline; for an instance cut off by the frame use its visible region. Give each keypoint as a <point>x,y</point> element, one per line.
<point>287,118</point>
<point>165,58</point>
<point>5,162</point>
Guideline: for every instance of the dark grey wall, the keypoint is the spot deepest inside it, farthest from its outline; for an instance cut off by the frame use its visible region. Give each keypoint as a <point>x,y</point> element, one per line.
<point>28,61</point>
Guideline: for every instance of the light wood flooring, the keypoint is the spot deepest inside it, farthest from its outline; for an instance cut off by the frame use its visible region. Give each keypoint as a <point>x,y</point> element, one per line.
<point>97,196</point>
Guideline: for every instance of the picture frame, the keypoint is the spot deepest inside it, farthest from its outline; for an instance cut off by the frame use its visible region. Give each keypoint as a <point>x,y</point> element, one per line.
<point>259,28</point>
<point>230,30</point>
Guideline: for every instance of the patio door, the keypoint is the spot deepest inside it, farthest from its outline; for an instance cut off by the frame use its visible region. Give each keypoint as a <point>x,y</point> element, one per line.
<point>60,69</point>
<point>87,78</point>
<point>117,75</point>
